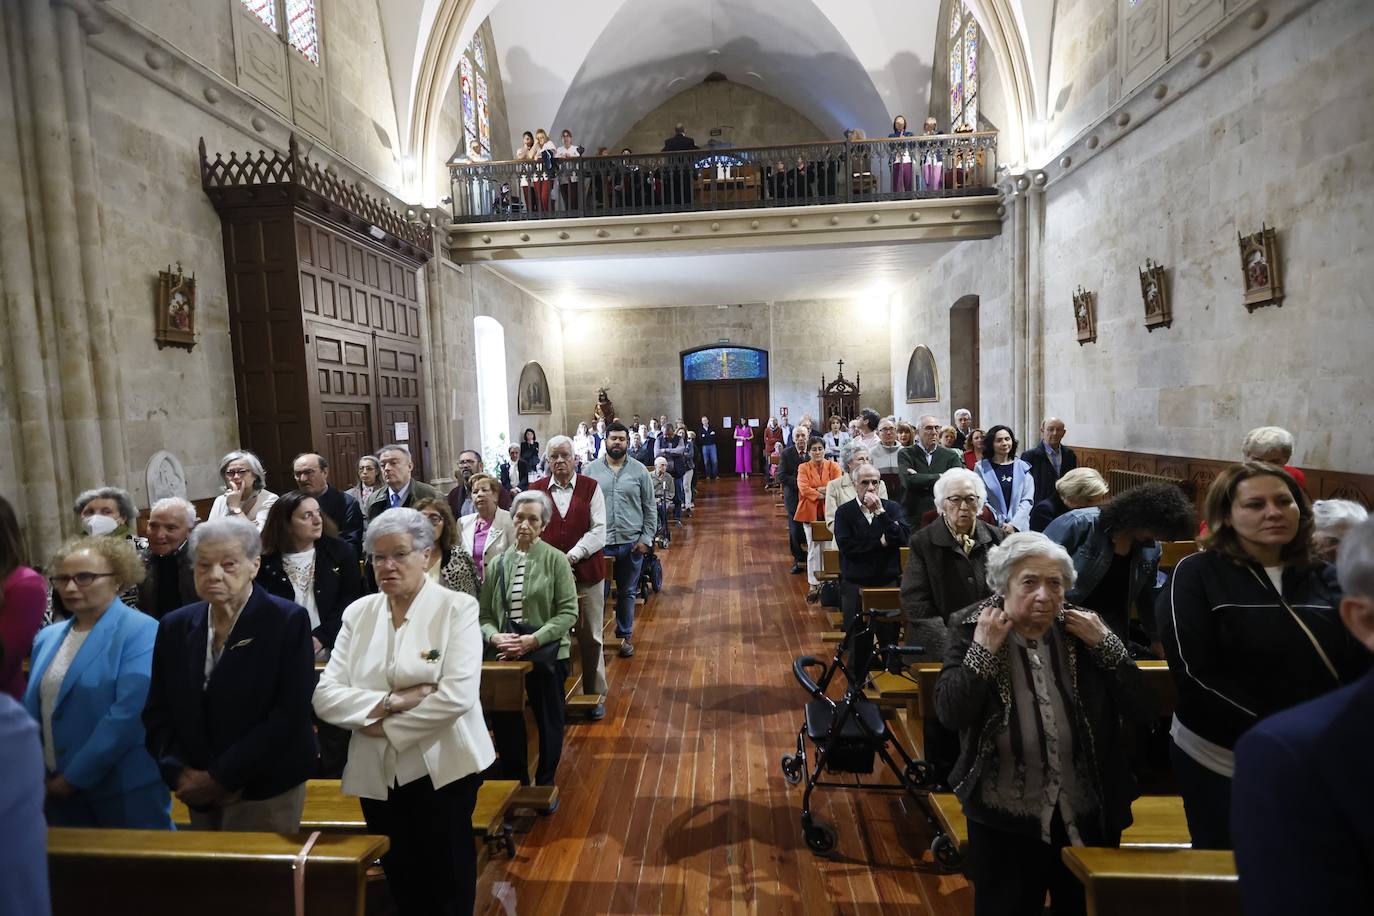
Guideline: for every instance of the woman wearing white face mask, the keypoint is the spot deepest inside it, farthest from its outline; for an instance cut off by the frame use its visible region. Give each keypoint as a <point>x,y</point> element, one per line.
<point>102,512</point>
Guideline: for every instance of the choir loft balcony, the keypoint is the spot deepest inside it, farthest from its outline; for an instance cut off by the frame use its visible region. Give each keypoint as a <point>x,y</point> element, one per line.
<point>913,189</point>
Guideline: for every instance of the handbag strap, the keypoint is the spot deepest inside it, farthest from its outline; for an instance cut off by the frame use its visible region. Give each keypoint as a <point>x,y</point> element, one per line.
<point>1326,660</point>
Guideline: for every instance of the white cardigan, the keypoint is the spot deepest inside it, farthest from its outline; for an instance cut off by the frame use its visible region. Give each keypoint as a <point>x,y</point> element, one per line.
<point>501,535</point>
<point>220,508</point>
<point>445,735</point>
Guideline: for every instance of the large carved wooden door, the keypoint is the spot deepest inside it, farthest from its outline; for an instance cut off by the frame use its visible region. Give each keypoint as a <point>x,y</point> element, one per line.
<point>342,368</point>
<point>398,396</point>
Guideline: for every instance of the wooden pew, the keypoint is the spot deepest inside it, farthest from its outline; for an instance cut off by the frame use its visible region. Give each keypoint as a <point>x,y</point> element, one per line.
<point>1173,551</point>
<point>328,810</point>
<point>170,873</point>
<point>1159,822</point>
<point>503,690</point>
<point>1147,882</point>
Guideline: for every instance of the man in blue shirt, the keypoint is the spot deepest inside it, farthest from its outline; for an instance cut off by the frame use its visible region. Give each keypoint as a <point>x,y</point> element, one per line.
<point>631,517</point>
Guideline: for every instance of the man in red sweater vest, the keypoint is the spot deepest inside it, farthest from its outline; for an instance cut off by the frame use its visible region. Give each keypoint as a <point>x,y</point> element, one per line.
<point>578,528</point>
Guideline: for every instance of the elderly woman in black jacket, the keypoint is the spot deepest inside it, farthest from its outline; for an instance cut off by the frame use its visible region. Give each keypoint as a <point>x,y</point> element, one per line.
<point>1250,626</point>
<point>1037,689</point>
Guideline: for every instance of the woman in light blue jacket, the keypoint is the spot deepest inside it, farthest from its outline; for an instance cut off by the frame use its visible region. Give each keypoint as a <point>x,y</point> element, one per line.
<point>87,690</point>
<point>1011,488</point>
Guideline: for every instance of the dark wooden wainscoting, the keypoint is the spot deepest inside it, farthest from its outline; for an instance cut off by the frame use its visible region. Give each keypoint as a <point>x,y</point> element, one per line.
<point>1200,472</point>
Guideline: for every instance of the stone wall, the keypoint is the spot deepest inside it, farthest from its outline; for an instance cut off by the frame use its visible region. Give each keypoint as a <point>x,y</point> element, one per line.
<point>920,316</point>
<point>636,352</point>
<point>750,118</point>
<point>1083,65</point>
<point>143,123</point>
<point>533,331</point>
<point>1277,137</point>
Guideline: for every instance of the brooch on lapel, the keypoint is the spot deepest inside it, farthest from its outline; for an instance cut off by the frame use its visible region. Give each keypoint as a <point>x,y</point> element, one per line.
<point>431,656</point>
<point>241,643</point>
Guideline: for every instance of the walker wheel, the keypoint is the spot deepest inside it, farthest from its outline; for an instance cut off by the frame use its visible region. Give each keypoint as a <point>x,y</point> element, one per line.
<point>821,838</point>
<point>946,852</point>
<point>791,769</point>
<point>920,773</point>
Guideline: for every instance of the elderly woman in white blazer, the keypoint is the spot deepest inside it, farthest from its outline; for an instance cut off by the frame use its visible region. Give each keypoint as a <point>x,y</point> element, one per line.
<point>404,677</point>
<point>490,530</point>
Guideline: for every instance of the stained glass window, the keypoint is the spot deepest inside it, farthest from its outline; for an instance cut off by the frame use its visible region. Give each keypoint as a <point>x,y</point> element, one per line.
<point>963,67</point>
<point>301,31</point>
<point>265,10</point>
<point>717,363</point>
<point>472,87</point>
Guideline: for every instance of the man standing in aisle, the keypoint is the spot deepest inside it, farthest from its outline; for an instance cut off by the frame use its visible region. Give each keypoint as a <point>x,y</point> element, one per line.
<point>920,465</point>
<point>706,437</point>
<point>631,517</point>
<point>793,457</point>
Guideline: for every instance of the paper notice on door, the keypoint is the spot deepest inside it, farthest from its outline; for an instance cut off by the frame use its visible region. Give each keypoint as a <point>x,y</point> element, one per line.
<point>754,422</point>
<point>725,421</point>
<point>402,432</point>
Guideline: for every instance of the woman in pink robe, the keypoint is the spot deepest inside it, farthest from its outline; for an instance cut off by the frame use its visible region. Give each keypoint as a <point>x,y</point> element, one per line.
<point>744,451</point>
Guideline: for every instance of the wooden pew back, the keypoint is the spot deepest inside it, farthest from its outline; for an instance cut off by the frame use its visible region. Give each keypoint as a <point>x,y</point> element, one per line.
<point>169,873</point>
<point>1147,882</point>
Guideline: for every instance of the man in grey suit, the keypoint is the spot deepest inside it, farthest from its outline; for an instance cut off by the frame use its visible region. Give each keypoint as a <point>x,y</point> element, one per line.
<point>920,465</point>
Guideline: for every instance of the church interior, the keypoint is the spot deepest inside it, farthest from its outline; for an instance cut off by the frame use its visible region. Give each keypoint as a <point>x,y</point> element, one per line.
<point>701,337</point>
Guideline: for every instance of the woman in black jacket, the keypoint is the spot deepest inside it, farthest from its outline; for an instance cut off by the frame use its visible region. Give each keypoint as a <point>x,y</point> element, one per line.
<point>304,561</point>
<point>1250,627</point>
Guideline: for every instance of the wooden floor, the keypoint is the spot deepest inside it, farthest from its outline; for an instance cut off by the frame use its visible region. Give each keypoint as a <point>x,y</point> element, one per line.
<point>674,803</point>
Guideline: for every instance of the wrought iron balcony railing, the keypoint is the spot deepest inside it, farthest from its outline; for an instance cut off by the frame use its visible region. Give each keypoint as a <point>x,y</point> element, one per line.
<point>927,166</point>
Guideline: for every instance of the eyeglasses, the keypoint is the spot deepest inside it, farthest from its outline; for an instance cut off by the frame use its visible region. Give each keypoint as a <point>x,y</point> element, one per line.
<point>391,559</point>
<point>82,579</point>
<point>236,472</point>
<point>969,501</point>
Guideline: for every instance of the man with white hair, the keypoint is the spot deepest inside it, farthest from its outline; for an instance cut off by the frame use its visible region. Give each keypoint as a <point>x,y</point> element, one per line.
<point>171,581</point>
<point>1302,799</point>
<point>578,528</point>
<point>1272,445</point>
<point>963,425</point>
<point>1332,520</point>
<point>920,465</point>
<point>870,532</point>
<point>1051,459</point>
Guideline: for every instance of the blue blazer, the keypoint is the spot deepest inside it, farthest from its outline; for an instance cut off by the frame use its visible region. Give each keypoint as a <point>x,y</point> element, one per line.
<point>1301,805</point>
<point>250,726</point>
<point>1022,493</point>
<point>96,726</point>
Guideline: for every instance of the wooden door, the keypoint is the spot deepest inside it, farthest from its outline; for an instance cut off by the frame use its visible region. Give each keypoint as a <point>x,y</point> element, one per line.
<point>730,398</point>
<point>398,397</point>
<point>963,357</point>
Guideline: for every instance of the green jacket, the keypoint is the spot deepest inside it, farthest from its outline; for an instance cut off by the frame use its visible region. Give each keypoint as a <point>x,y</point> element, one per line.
<point>918,489</point>
<point>550,600</point>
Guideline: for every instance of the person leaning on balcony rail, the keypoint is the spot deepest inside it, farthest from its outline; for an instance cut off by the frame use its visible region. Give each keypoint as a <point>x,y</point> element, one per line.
<point>526,152</point>
<point>542,182</point>
<point>901,157</point>
<point>567,172</point>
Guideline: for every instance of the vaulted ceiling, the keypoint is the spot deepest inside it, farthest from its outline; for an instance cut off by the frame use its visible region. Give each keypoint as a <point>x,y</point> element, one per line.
<point>598,65</point>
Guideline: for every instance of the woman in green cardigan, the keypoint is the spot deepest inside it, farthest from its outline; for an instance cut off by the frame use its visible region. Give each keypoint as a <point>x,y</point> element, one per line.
<point>529,603</point>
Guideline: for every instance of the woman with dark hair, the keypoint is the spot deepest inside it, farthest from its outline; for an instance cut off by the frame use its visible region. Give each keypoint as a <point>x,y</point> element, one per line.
<point>529,449</point>
<point>23,598</point>
<point>451,565</point>
<point>1011,488</point>
<point>526,151</point>
<point>1115,550</point>
<point>868,421</point>
<point>369,479</point>
<point>303,560</point>
<point>1250,626</point>
<point>901,156</point>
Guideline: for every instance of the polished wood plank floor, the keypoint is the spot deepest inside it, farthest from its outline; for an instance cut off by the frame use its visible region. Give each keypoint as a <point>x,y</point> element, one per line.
<point>674,803</point>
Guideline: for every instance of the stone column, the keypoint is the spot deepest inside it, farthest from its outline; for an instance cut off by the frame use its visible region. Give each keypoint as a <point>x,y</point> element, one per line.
<point>1035,303</point>
<point>1016,187</point>
<point>439,379</point>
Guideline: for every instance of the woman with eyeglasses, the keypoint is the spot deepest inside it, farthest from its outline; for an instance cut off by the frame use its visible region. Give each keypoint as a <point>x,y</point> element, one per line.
<point>369,479</point>
<point>245,489</point>
<point>404,679</point>
<point>87,689</point>
<point>451,565</point>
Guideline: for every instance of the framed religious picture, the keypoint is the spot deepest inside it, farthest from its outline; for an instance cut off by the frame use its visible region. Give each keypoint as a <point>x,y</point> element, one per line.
<point>534,396</point>
<point>1085,315</point>
<point>1259,266</point>
<point>1155,294</point>
<point>175,319</point>
<point>922,381</point>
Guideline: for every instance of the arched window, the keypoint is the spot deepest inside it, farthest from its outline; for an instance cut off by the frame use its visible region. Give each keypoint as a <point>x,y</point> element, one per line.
<point>302,26</point>
<point>489,339</point>
<point>472,87</point>
<point>963,67</point>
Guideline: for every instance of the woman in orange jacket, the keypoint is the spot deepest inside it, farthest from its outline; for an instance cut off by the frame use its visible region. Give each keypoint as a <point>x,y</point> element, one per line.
<point>812,478</point>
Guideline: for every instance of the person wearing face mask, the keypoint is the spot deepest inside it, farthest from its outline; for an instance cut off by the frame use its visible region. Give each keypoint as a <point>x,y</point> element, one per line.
<point>228,715</point>
<point>1037,689</point>
<point>171,579</point>
<point>245,489</point>
<point>1251,626</point>
<point>103,512</point>
<point>528,605</point>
